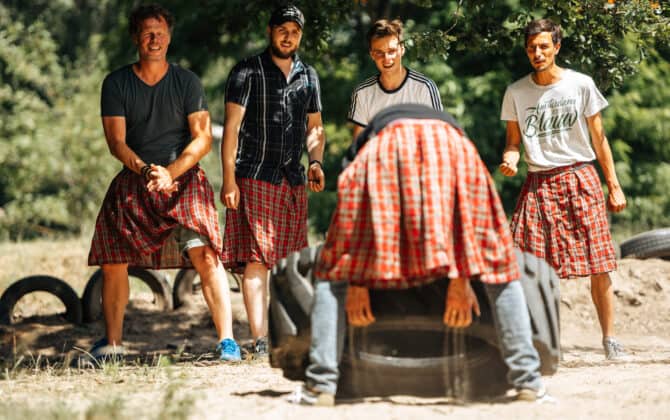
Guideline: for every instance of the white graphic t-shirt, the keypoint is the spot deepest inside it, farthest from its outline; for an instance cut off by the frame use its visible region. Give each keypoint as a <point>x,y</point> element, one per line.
<point>552,119</point>
<point>370,97</point>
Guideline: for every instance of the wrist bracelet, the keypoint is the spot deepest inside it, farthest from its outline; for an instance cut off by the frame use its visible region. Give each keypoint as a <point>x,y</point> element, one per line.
<point>146,169</point>
<point>316,161</point>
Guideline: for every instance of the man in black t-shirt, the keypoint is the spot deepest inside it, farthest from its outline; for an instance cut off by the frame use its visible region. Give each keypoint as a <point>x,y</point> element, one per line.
<point>159,211</point>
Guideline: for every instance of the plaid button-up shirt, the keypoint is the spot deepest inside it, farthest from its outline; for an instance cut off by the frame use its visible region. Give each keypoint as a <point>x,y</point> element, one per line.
<point>273,132</point>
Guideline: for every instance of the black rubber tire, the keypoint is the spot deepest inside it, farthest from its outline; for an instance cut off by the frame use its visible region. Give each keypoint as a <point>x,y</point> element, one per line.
<point>185,286</point>
<point>400,314</point>
<point>408,349</point>
<point>57,287</point>
<point>652,244</point>
<point>91,300</point>
<point>541,286</point>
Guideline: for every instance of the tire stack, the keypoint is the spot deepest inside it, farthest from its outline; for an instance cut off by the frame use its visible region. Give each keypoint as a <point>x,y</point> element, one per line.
<point>408,350</point>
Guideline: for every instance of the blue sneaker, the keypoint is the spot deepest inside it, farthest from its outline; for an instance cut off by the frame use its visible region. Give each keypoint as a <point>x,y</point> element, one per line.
<point>230,351</point>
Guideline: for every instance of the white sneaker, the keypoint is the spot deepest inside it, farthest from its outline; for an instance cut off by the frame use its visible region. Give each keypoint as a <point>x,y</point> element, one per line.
<point>304,396</point>
<point>613,349</point>
<point>539,396</point>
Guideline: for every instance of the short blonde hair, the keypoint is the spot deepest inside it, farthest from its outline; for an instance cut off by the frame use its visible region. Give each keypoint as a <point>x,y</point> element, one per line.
<point>383,28</point>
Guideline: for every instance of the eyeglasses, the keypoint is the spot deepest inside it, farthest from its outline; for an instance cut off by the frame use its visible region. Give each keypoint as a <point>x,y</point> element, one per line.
<point>379,54</point>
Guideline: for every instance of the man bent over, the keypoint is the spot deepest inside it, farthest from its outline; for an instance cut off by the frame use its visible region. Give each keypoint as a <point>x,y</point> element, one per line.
<point>416,204</point>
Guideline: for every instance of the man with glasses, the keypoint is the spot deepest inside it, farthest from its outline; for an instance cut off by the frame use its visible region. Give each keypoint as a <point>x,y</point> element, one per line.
<point>394,84</point>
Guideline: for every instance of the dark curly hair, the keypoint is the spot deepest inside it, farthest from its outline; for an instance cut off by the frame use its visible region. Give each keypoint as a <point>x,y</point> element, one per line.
<point>146,11</point>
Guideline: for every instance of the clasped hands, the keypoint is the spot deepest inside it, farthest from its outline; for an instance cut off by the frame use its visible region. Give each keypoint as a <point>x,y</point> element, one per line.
<point>160,180</point>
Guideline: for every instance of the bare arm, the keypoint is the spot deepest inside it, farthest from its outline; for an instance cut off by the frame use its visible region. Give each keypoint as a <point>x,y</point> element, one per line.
<point>616,200</point>
<point>162,178</point>
<point>230,193</point>
<point>316,143</point>
<point>200,125</point>
<point>357,131</point>
<point>511,154</point>
<point>115,134</point>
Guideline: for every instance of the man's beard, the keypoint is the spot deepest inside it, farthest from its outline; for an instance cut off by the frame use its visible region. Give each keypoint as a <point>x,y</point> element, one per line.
<point>279,54</point>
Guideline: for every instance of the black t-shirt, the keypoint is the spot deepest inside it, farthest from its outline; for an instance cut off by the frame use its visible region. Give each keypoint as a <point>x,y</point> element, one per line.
<point>156,116</point>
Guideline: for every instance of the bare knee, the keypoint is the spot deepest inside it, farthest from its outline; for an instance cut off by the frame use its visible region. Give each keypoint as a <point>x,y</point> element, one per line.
<point>204,260</point>
<point>601,280</point>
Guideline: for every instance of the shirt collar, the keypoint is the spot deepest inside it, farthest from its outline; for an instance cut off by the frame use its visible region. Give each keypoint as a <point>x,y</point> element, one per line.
<point>298,66</point>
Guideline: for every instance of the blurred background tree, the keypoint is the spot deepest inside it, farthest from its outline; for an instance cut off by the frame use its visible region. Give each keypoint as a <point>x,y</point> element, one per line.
<point>54,163</point>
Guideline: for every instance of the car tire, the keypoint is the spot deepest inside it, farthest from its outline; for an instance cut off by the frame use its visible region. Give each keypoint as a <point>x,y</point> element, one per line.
<point>91,300</point>
<point>652,244</point>
<point>57,287</point>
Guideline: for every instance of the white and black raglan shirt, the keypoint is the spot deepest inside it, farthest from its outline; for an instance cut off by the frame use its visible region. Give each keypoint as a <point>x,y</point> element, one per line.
<point>370,97</point>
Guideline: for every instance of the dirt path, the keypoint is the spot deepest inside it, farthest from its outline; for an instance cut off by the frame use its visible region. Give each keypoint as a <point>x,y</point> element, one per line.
<point>586,385</point>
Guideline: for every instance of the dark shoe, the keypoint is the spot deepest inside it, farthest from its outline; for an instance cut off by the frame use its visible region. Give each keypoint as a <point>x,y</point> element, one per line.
<point>229,350</point>
<point>613,349</point>
<point>261,346</point>
<point>101,352</point>
<point>305,396</point>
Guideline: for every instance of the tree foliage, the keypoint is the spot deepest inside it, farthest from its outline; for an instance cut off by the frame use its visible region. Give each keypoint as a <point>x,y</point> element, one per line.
<point>54,164</point>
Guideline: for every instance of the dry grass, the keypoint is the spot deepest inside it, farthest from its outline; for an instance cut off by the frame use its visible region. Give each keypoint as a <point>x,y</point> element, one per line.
<point>64,259</point>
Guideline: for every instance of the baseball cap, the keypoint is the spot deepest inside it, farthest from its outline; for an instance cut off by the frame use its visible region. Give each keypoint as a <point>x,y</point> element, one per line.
<point>285,14</point>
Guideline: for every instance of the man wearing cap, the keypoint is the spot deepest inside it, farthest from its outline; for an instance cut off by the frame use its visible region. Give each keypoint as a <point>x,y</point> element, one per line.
<point>273,112</point>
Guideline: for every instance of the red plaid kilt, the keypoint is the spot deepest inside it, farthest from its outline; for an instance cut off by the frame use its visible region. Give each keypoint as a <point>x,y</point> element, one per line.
<point>417,204</point>
<point>269,223</point>
<point>561,217</point>
<point>135,226</point>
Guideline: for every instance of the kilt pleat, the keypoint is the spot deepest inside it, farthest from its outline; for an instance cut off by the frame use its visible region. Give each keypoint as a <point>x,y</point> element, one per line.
<point>561,217</point>
<point>269,224</point>
<point>136,226</point>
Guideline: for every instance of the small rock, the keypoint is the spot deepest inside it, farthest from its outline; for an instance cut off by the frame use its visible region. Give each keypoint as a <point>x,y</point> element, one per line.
<point>657,286</point>
<point>634,301</point>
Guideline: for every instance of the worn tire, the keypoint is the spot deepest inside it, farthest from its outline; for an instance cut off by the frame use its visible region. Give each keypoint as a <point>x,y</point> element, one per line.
<point>185,286</point>
<point>383,358</point>
<point>91,300</point>
<point>57,287</point>
<point>652,244</point>
<point>541,286</point>
<point>408,350</point>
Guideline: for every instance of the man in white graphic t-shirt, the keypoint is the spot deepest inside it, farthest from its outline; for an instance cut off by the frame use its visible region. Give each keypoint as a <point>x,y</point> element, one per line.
<point>561,214</point>
<point>394,84</point>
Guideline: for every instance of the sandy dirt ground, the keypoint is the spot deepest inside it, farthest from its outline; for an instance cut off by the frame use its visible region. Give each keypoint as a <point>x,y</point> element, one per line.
<point>35,381</point>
